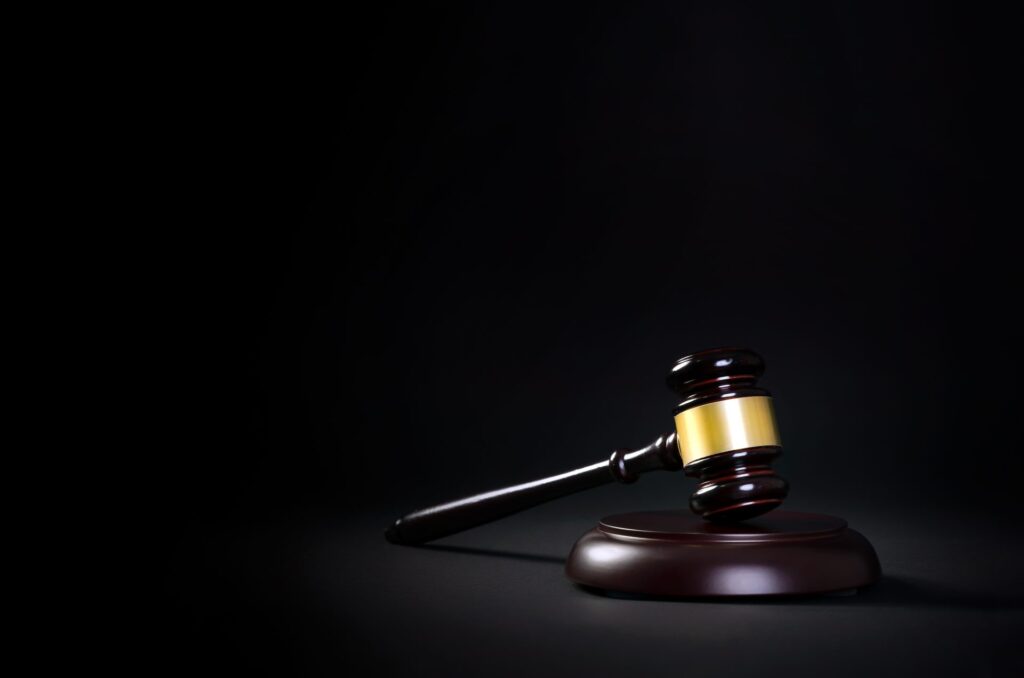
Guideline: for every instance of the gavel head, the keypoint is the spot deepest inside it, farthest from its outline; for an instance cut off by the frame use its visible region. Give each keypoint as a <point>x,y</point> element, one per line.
<point>726,434</point>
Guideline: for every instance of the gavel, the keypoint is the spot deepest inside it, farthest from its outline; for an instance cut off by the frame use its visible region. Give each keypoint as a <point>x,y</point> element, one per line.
<point>725,436</point>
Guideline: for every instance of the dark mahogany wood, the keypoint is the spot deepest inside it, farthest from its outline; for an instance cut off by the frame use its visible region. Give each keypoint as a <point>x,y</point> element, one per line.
<point>676,554</point>
<point>716,374</point>
<point>734,485</point>
<point>738,484</point>
<point>623,466</point>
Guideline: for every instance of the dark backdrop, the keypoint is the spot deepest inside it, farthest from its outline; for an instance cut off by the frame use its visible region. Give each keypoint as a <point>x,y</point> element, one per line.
<point>431,250</point>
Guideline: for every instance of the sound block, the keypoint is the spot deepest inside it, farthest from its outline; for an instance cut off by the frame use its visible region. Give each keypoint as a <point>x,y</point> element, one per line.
<point>678,554</point>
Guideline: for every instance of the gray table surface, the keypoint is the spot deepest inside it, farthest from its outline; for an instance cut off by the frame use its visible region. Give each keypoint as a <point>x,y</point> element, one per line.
<point>322,592</point>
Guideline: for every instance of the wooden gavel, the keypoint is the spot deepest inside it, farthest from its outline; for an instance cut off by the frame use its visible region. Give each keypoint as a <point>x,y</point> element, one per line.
<point>725,436</point>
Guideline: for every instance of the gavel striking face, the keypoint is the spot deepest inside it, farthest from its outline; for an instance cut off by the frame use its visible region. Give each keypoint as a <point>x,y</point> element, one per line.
<point>725,436</point>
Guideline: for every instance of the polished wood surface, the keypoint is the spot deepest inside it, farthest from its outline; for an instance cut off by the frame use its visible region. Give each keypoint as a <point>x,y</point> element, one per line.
<point>737,484</point>
<point>676,554</point>
<point>734,485</point>
<point>715,374</point>
<point>623,466</point>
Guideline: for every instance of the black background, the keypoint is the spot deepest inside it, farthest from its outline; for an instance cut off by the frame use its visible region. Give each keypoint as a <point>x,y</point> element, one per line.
<point>425,251</point>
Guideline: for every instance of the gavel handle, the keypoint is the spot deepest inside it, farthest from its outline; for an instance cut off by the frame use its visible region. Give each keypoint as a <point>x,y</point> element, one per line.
<point>442,520</point>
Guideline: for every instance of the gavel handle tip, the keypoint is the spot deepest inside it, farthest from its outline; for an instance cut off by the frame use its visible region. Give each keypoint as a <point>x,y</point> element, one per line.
<point>392,534</point>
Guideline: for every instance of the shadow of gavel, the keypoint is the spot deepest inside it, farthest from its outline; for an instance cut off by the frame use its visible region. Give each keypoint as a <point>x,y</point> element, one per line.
<point>725,436</point>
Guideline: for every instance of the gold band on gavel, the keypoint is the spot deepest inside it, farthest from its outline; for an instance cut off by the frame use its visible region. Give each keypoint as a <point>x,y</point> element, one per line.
<point>724,425</point>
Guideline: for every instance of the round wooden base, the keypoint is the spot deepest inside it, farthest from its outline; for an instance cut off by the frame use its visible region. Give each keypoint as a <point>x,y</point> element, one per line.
<point>678,554</point>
